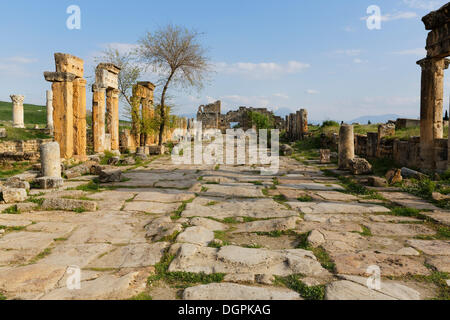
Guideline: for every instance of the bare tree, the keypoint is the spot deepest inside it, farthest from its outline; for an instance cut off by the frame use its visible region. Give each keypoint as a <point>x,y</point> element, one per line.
<point>176,54</point>
<point>128,76</point>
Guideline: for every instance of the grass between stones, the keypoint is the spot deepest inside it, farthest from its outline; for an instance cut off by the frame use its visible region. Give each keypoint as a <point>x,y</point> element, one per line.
<point>141,297</point>
<point>437,278</point>
<point>10,229</point>
<point>321,254</point>
<point>353,187</point>
<point>12,210</point>
<point>176,215</point>
<point>181,279</point>
<point>305,199</point>
<point>442,231</point>
<point>2,297</point>
<point>294,282</point>
<point>41,255</point>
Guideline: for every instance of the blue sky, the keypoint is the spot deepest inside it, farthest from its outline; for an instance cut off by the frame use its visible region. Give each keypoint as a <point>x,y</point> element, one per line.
<point>284,55</point>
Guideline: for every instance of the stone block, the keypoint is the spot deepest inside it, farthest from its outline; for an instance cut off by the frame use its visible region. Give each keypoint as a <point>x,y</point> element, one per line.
<point>359,166</point>
<point>13,195</point>
<point>3,133</point>
<point>325,155</point>
<point>110,176</point>
<point>68,204</point>
<point>17,183</point>
<point>49,182</point>
<point>69,63</point>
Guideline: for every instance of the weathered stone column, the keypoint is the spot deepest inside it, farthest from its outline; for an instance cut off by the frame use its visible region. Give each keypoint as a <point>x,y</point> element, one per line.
<point>304,122</point>
<point>431,108</point>
<point>63,116</point>
<point>50,160</point>
<point>79,118</point>
<point>17,101</point>
<point>50,111</point>
<point>98,118</point>
<point>112,111</point>
<point>346,145</point>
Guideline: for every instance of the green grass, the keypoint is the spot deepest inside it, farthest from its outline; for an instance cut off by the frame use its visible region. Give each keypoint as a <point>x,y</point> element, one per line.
<point>41,255</point>
<point>305,198</point>
<point>366,232</point>
<point>142,297</point>
<point>177,213</point>
<point>321,254</point>
<point>33,114</point>
<point>14,168</point>
<point>11,210</point>
<point>2,297</point>
<point>294,282</point>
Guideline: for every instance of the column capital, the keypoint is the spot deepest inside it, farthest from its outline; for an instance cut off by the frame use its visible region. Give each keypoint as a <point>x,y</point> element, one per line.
<point>59,76</point>
<point>96,88</point>
<point>17,98</point>
<point>428,63</point>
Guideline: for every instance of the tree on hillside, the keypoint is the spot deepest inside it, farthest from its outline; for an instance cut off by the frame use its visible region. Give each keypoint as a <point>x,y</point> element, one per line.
<point>128,76</point>
<point>177,56</point>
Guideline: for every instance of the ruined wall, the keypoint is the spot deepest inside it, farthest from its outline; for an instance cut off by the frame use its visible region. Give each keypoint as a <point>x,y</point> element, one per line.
<point>403,152</point>
<point>21,150</point>
<point>296,125</point>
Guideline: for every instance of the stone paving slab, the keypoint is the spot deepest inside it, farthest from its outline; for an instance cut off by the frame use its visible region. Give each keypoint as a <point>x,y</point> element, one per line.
<point>440,216</point>
<point>131,256</point>
<point>314,186</point>
<point>336,207</point>
<point>27,240</point>
<point>80,255</point>
<point>398,230</point>
<point>233,190</point>
<point>164,195</point>
<point>151,207</point>
<point>431,247</point>
<point>230,291</point>
<point>254,208</point>
<point>416,204</point>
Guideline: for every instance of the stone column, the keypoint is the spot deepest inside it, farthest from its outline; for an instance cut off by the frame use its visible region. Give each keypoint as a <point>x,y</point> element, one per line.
<point>431,108</point>
<point>113,119</point>
<point>63,116</point>
<point>50,111</point>
<point>50,160</point>
<point>98,118</point>
<point>79,118</point>
<point>346,145</point>
<point>304,122</point>
<point>17,101</point>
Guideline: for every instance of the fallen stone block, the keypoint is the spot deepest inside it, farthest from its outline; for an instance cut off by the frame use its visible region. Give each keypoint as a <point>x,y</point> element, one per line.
<point>376,182</point>
<point>13,195</point>
<point>49,182</point>
<point>110,175</point>
<point>114,161</point>
<point>394,176</point>
<point>286,150</point>
<point>68,204</point>
<point>79,170</point>
<point>325,156</point>
<point>359,166</point>
<point>3,133</point>
<point>409,173</point>
<point>18,183</point>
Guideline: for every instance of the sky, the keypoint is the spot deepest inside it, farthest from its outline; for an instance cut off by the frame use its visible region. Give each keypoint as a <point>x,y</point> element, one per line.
<point>284,55</point>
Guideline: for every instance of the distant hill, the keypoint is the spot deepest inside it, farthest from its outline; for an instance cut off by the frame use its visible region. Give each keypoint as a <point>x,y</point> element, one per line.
<point>376,119</point>
<point>33,114</point>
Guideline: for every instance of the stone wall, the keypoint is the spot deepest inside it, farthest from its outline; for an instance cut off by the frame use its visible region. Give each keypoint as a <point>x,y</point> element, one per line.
<point>296,125</point>
<point>21,150</point>
<point>403,152</point>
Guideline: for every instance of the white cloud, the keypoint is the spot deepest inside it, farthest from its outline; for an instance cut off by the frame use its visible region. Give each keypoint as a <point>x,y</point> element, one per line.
<point>281,95</point>
<point>312,91</point>
<point>359,61</point>
<point>396,16</point>
<point>425,4</point>
<point>348,52</point>
<point>20,60</point>
<point>264,69</point>
<point>415,52</point>
<point>121,47</point>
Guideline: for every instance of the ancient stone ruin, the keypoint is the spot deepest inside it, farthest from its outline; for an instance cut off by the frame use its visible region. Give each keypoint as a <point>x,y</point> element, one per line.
<point>432,92</point>
<point>69,105</point>
<point>18,120</point>
<point>105,108</point>
<point>142,108</point>
<point>297,125</point>
<point>50,111</point>
<point>211,117</point>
